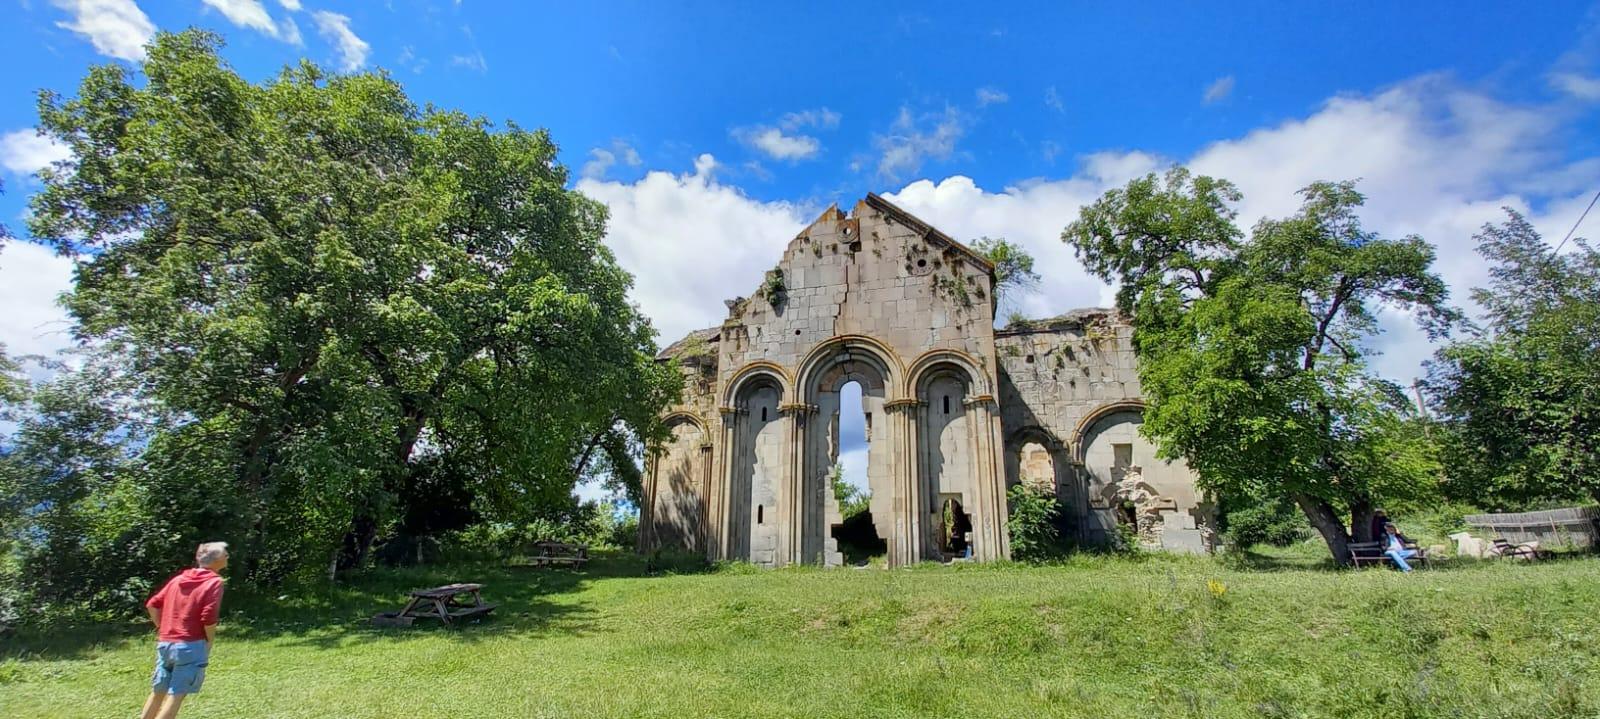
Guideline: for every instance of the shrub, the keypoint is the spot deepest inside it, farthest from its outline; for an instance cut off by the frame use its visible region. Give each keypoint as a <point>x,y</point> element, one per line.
<point>1032,523</point>
<point>1249,522</point>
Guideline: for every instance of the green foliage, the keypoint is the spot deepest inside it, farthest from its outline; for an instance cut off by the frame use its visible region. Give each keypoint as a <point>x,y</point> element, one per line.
<point>1251,352</point>
<point>1013,266</point>
<point>773,288</point>
<point>1032,523</point>
<point>325,294</point>
<point>1521,400</point>
<point>852,499</point>
<point>1275,521</point>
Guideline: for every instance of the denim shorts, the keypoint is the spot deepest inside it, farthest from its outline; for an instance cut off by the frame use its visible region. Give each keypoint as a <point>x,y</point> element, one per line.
<point>180,667</point>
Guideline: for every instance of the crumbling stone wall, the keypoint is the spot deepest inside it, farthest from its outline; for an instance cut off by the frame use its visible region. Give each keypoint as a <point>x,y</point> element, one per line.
<point>1071,385</point>
<point>880,298</point>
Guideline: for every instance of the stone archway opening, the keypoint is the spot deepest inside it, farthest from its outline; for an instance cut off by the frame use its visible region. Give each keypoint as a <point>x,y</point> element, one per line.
<point>955,530</point>
<point>855,535</point>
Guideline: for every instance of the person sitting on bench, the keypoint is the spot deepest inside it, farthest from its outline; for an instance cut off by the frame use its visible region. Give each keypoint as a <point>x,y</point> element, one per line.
<point>1395,546</point>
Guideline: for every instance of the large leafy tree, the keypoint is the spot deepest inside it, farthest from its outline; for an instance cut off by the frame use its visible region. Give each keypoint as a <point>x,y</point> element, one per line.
<point>1522,396</point>
<point>323,285</point>
<point>1252,351</point>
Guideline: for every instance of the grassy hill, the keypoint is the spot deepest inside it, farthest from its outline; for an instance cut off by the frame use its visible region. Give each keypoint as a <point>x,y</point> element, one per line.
<point>1093,637</point>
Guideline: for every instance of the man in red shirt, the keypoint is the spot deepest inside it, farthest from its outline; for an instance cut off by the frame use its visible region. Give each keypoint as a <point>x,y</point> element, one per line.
<point>185,615</point>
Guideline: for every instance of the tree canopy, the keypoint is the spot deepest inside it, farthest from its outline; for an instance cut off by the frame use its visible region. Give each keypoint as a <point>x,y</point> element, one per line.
<point>1252,352</point>
<point>323,289</point>
<point>1522,395</point>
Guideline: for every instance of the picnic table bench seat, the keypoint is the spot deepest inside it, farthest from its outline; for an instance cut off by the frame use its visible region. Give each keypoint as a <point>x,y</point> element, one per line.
<point>556,553</point>
<point>446,603</point>
<point>1373,553</point>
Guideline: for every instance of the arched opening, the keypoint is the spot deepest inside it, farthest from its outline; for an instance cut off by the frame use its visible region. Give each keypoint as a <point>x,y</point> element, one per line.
<point>1035,468</point>
<point>955,530</point>
<point>848,431</point>
<point>757,461</point>
<point>853,532</point>
<point>678,476</point>
<point>950,486</point>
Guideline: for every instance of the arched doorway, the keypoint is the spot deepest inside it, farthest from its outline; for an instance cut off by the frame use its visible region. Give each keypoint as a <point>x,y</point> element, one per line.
<point>678,475</point>
<point>757,462</point>
<point>948,458</point>
<point>852,371</point>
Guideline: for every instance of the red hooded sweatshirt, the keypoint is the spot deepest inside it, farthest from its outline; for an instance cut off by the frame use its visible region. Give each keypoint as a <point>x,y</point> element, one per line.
<point>188,604</point>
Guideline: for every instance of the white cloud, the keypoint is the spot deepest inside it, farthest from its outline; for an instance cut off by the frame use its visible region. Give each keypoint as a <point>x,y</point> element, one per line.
<point>116,28</point>
<point>474,61</point>
<point>1435,159</point>
<point>692,242</point>
<point>1219,90</point>
<point>822,118</point>
<point>336,29</point>
<point>601,159</point>
<point>991,96</point>
<point>25,152</point>
<point>290,5</point>
<point>31,277</point>
<point>1052,100</point>
<point>245,13</point>
<point>289,31</point>
<point>1578,85</point>
<point>912,140</point>
<point>771,142</point>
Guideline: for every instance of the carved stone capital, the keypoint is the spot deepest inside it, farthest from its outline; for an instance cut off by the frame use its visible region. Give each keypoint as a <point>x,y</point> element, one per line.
<point>798,408</point>
<point>902,404</point>
<point>982,400</point>
<point>732,411</point>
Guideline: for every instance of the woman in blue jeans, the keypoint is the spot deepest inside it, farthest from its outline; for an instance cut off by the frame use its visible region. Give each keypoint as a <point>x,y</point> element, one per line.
<point>1395,547</point>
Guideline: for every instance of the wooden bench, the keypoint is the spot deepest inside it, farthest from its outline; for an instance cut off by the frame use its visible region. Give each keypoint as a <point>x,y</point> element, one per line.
<point>547,554</point>
<point>1527,551</point>
<point>447,603</point>
<point>1373,553</point>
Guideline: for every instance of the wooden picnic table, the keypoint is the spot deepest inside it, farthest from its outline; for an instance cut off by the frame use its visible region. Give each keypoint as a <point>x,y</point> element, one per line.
<point>552,553</point>
<point>446,603</point>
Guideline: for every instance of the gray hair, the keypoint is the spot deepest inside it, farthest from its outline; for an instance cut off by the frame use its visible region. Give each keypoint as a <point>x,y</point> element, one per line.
<point>210,553</point>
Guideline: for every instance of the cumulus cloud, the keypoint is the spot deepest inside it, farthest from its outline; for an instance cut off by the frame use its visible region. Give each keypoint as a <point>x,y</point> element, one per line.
<point>601,159</point>
<point>248,14</point>
<point>1578,85</point>
<point>116,28</point>
<point>1219,90</point>
<point>335,28</point>
<point>290,5</point>
<point>25,152</point>
<point>784,141</point>
<point>691,242</point>
<point>914,139</point>
<point>991,96</point>
<point>773,143</point>
<point>31,277</point>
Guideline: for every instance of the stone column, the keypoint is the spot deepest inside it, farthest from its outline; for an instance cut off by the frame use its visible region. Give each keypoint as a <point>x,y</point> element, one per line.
<point>791,500</point>
<point>989,479</point>
<point>720,546</point>
<point>905,542</point>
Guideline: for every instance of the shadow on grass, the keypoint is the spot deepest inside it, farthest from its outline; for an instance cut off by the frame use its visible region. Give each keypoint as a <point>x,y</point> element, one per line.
<point>532,603</point>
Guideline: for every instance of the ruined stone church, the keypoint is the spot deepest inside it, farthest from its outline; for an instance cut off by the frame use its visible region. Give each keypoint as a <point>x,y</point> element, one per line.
<point>956,411</point>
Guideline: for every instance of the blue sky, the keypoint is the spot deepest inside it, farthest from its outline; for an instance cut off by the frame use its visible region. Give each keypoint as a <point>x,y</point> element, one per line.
<point>716,130</point>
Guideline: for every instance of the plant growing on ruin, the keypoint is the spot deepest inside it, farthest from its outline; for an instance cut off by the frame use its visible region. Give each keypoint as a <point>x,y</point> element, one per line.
<point>1032,522</point>
<point>772,288</point>
<point>1013,266</point>
<point>1252,351</point>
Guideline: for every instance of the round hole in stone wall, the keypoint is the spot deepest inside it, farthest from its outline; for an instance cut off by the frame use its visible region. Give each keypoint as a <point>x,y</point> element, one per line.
<point>797,333</point>
<point>922,263</point>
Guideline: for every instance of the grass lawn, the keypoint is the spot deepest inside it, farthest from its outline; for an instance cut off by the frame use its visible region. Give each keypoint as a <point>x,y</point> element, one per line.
<point>1093,637</point>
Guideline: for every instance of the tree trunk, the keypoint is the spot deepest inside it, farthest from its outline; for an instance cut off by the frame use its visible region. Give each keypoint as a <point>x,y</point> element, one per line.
<point>1326,520</point>
<point>1361,521</point>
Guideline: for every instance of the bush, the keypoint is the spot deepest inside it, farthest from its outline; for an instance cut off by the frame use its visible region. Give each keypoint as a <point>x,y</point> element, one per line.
<point>1032,523</point>
<point>1249,522</point>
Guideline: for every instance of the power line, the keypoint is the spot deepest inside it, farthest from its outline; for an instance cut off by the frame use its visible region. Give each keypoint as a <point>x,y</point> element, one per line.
<point>1579,222</point>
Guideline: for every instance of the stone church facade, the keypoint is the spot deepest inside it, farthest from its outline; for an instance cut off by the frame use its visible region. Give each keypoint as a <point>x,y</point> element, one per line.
<point>956,411</point>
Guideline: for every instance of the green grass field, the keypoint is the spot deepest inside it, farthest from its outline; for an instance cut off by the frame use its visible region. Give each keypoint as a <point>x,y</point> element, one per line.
<point>1093,637</point>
